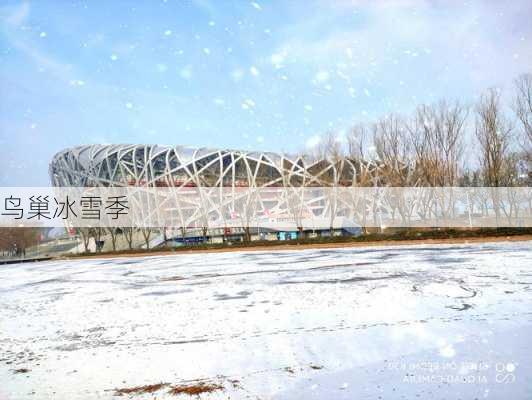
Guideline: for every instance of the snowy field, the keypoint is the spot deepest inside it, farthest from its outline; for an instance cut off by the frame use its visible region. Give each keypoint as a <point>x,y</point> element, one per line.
<point>422,321</point>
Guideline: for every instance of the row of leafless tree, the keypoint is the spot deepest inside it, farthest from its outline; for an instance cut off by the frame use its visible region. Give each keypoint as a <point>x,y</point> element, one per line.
<point>441,141</point>
<point>127,234</point>
<point>15,241</point>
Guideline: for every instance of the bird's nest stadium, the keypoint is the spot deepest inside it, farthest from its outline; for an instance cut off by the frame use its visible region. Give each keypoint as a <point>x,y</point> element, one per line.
<point>177,166</point>
<point>210,189</point>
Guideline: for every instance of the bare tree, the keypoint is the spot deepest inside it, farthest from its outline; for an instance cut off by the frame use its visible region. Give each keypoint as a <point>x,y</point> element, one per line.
<point>523,109</point>
<point>114,236</point>
<point>146,234</point>
<point>437,133</point>
<point>128,235</point>
<point>356,142</point>
<point>329,148</point>
<point>393,149</point>
<point>85,234</point>
<point>494,135</point>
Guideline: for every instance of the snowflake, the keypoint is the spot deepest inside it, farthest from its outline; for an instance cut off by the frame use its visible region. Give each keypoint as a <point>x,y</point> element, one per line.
<point>186,73</point>
<point>313,141</point>
<point>237,75</point>
<point>77,82</point>
<point>248,104</point>
<point>168,32</point>
<point>254,71</point>
<point>114,57</point>
<point>256,6</point>
<point>322,76</point>
<point>448,351</point>
<point>43,34</point>
<point>277,60</point>
<point>129,105</point>
<point>349,53</point>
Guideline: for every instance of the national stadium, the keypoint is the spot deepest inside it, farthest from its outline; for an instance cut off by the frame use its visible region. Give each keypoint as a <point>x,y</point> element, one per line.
<point>178,166</point>
<point>233,195</point>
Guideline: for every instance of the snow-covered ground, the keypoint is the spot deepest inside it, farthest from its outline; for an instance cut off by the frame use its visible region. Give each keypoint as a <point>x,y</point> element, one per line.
<point>432,321</point>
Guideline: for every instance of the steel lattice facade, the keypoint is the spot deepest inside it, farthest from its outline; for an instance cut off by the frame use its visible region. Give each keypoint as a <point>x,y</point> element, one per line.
<point>177,166</point>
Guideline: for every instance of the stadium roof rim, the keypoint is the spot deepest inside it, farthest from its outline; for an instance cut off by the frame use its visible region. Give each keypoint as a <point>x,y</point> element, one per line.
<point>96,151</point>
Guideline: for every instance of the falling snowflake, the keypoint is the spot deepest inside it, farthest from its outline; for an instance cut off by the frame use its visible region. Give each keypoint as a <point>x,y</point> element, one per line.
<point>349,53</point>
<point>256,6</point>
<point>206,50</point>
<point>237,75</point>
<point>114,57</point>
<point>129,105</point>
<point>277,60</point>
<point>186,72</point>
<point>448,351</point>
<point>321,76</point>
<point>313,141</point>
<point>260,139</point>
<point>254,71</point>
<point>43,34</point>
<point>167,32</point>
<point>248,104</point>
<point>308,107</point>
<point>77,82</point>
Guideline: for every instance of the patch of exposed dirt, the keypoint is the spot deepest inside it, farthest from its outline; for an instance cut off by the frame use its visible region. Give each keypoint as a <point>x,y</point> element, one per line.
<point>195,388</point>
<point>21,371</point>
<point>140,389</point>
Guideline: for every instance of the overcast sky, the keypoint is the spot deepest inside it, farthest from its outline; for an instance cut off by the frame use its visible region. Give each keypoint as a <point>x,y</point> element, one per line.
<point>265,75</point>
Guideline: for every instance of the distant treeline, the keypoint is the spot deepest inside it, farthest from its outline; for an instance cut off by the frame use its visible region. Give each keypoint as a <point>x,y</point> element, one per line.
<point>445,144</point>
